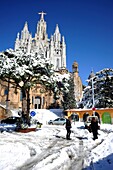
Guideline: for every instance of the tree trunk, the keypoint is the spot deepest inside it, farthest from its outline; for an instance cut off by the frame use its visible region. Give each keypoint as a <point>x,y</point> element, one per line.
<point>28,106</point>
<point>7,97</point>
<point>23,99</point>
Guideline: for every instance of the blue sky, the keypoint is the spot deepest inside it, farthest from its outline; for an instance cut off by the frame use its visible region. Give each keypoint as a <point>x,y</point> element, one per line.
<point>86,24</point>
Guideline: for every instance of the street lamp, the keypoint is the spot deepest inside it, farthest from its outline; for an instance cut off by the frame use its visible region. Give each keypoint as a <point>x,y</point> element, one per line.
<point>92,76</point>
<point>93,92</point>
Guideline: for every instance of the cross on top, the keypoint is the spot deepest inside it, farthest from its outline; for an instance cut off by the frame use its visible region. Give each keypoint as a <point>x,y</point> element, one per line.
<point>42,14</point>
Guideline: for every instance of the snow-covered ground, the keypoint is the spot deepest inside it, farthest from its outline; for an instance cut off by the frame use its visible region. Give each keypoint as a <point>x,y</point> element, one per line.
<point>47,148</point>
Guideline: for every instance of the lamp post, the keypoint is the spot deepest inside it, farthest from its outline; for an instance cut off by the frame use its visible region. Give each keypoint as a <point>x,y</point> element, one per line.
<point>93,92</point>
<point>92,76</point>
<point>93,107</point>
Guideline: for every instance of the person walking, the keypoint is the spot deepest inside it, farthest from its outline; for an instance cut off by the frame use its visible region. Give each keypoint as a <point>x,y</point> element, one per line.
<point>68,128</point>
<point>94,128</point>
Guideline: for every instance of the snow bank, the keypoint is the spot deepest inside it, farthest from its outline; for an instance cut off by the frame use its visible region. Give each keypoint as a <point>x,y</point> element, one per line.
<point>44,115</point>
<point>58,112</point>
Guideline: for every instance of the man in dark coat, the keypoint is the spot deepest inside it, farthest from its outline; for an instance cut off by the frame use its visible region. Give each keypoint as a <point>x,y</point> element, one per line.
<point>94,128</point>
<point>68,127</point>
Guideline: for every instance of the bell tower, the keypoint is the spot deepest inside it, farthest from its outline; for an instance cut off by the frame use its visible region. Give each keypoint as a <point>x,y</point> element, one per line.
<point>75,67</point>
<point>77,82</point>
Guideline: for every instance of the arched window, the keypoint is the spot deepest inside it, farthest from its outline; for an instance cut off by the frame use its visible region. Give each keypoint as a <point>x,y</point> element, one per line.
<point>57,63</point>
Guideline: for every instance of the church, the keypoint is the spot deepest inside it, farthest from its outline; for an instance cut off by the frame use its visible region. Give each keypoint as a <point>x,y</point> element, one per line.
<point>53,48</point>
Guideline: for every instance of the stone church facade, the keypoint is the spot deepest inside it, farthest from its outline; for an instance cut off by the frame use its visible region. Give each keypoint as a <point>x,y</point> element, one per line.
<point>55,50</point>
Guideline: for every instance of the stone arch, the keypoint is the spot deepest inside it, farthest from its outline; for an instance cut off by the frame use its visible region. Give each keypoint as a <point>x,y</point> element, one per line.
<point>37,102</point>
<point>75,117</point>
<point>85,115</point>
<point>106,118</point>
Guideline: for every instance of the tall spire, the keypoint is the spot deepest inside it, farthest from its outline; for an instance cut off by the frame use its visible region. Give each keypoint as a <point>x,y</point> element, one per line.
<point>57,35</point>
<point>42,15</point>
<point>57,29</point>
<point>41,28</point>
<point>26,26</point>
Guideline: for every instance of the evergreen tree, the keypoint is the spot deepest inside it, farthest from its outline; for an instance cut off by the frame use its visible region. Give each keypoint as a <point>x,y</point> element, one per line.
<point>69,101</point>
<point>104,88</point>
<point>102,83</point>
<point>24,71</point>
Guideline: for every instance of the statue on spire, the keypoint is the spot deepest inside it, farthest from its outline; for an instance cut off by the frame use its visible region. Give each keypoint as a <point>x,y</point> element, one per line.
<point>42,15</point>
